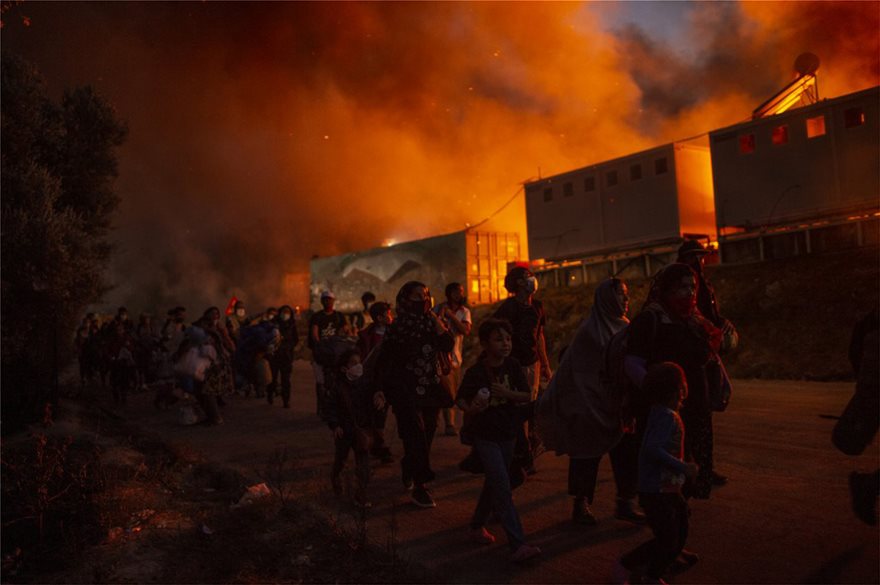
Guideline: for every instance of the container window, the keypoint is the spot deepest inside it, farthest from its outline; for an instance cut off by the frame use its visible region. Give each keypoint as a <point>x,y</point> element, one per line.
<point>661,166</point>
<point>611,178</point>
<point>568,190</point>
<point>853,117</point>
<point>548,194</point>
<point>747,144</point>
<point>816,126</point>
<point>590,184</point>
<point>779,135</point>
<point>635,172</point>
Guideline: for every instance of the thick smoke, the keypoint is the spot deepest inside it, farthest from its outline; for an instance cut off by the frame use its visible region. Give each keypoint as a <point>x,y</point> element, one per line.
<point>264,133</point>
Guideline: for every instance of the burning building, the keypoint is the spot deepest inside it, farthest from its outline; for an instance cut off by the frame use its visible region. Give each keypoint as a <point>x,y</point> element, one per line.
<point>624,216</point>
<point>476,259</point>
<point>798,181</point>
<point>800,176</point>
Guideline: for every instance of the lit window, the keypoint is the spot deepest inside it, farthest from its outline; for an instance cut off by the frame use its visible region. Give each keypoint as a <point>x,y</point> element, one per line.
<point>611,178</point>
<point>590,184</point>
<point>661,166</point>
<point>853,117</point>
<point>568,190</point>
<point>815,126</point>
<point>548,194</point>
<point>635,172</point>
<point>779,135</point>
<point>475,286</point>
<point>747,143</point>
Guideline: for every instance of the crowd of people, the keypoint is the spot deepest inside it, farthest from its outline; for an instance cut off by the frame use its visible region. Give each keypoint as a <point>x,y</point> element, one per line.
<point>642,391</point>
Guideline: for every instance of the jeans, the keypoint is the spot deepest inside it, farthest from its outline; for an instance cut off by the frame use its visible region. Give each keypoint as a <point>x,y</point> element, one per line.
<point>497,494</point>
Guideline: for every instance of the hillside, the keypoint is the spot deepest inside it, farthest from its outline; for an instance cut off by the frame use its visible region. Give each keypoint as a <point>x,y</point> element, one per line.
<point>794,316</point>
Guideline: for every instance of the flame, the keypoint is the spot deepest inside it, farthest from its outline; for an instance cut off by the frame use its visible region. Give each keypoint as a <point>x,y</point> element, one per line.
<point>319,129</point>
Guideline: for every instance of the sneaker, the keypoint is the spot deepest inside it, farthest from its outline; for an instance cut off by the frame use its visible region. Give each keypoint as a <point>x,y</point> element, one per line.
<point>407,482</point>
<point>626,511</point>
<point>482,536</point>
<point>524,553</point>
<point>581,513</point>
<point>421,497</point>
<point>450,431</point>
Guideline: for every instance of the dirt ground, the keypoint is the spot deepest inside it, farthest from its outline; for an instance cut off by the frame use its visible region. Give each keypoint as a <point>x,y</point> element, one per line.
<point>784,517</point>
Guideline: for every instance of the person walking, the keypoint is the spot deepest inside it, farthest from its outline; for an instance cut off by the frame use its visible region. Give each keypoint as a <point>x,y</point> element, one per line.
<point>581,414</point>
<point>408,376</point>
<point>662,472</point>
<point>671,329</point>
<point>489,393</point>
<point>282,358</point>
<point>457,318</point>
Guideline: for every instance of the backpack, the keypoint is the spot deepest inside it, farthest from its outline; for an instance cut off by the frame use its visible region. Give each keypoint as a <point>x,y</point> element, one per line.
<point>613,371</point>
<point>252,338</point>
<point>327,352</point>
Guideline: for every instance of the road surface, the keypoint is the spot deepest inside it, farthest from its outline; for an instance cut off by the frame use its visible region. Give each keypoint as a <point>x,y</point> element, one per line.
<point>784,517</point>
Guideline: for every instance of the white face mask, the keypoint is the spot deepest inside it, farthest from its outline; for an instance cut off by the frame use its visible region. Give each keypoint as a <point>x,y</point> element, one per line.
<point>354,372</point>
<point>532,285</point>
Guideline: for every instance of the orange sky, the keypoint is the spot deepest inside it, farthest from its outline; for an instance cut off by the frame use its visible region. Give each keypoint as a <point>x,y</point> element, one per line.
<point>261,134</point>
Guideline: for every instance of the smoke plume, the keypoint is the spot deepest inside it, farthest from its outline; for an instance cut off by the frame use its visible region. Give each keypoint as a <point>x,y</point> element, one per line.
<point>262,134</point>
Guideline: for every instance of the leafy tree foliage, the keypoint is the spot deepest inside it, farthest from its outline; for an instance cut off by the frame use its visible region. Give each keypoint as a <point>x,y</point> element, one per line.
<point>56,205</point>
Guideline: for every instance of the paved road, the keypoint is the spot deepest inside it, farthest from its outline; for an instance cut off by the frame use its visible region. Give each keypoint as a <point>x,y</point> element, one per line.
<point>783,518</point>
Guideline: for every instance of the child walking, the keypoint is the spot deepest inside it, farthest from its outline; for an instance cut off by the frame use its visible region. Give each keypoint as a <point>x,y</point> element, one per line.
<point>662,473</point>
<point>347,413</point>
<point>488,395</point>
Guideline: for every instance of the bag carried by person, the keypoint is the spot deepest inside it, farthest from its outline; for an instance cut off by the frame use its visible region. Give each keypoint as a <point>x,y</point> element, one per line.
<point>718,384</point>
<point>857,425</point>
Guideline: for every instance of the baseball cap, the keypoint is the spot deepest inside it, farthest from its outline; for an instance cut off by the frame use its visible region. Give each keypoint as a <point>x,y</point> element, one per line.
<point>327,295</point>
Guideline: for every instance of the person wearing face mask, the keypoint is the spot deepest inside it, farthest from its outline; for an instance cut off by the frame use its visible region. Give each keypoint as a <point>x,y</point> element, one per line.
<point>526,316</point>
<point>282,358</point>
<point>236,320</point>
<point>210,322</point>
<point>347,412</point>
<point>408,375</point>
<point>671,329</point>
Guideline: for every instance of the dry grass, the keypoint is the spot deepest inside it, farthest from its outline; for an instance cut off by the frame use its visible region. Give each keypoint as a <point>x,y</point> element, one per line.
<point>119,506</point>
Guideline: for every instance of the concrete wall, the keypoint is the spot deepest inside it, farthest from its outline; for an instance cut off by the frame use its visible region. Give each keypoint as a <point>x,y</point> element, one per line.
<point>435,261</point>
<point>804,177</point>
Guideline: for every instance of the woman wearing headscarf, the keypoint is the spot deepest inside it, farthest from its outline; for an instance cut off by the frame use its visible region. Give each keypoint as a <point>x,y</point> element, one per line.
<point>580,416</point>
<point>671,329</point>
<point>409,378</point>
